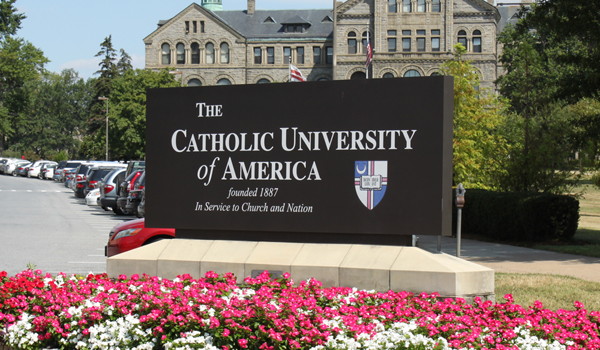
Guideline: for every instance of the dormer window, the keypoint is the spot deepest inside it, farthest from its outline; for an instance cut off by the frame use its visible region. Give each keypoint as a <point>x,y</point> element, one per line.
<point>295,24</point>
<point>327,19</point>
<point>269,20</point>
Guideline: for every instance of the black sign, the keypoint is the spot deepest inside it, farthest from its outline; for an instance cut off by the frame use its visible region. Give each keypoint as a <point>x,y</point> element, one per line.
<point>335,159</point>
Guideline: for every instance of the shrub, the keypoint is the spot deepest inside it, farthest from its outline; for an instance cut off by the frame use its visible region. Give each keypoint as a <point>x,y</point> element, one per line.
<point>519,216</point>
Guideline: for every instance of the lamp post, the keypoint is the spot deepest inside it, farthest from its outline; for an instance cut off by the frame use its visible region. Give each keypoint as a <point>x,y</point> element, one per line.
<point>460,203</point>
<point>102,98</point>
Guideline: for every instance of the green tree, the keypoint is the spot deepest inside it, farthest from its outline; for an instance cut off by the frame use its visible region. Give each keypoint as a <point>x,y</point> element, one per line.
<point>20,62</point>
<point>55,117</point>
<point>477,116</point>
<point>127,115</point>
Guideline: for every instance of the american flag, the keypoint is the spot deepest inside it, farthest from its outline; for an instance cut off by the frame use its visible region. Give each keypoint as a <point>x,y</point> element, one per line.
<point>369,51</point>
<point>295,74</point>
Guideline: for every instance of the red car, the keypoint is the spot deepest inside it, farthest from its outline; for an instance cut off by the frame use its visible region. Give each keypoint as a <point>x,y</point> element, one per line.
<point>132,234</point>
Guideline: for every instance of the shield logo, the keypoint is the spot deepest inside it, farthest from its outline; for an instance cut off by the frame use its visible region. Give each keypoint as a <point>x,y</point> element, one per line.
<point>370,181</point>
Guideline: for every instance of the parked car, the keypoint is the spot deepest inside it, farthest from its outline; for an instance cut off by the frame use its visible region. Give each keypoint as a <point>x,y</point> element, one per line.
<point>3,163</point>
<point>97,173</point>
<point>124,189</point>
<point>34,169</point>
<point>22,170</point>
<point>58,170</point>
<point>47,171</point>
<point>108,189</point>
<point>11,166</point>
<point>92,197</point>
<point>78,182</point>
<point>133,234</point>
<point>141,212</point>
<point>68,176</point>
<point>72,164</point>
<point>135,195</point>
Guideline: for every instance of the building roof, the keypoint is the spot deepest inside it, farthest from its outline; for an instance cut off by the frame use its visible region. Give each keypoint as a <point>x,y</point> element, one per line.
<point>258,26</point>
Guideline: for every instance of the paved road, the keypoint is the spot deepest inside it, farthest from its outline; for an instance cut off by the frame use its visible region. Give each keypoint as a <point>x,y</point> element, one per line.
<point>511,259</point>
<point>43,224</point>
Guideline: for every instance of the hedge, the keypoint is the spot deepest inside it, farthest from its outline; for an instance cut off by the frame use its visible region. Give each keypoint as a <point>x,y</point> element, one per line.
<point>518,216</point>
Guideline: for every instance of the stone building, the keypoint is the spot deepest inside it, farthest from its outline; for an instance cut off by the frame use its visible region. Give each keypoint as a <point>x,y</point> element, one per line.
<point>208,46</point>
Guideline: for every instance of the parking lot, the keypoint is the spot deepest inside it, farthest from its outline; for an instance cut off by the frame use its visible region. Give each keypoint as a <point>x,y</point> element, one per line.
<point>43,224</point>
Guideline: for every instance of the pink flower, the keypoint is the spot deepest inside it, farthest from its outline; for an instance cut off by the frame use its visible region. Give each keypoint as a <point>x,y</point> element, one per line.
<point>225,333</point>
<point>243,343</point>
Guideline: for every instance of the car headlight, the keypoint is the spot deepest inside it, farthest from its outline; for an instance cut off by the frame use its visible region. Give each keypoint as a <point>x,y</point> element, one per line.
<point>127,233</point>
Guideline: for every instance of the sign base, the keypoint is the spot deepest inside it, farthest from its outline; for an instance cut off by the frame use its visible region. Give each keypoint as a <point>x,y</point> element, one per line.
<point>369,267</point>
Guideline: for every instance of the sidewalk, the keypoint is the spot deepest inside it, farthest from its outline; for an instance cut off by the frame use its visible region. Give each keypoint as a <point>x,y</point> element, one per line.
<point>510,259</point>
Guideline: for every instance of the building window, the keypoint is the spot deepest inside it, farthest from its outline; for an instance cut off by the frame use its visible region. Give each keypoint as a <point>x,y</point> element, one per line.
<point>195,29</point>
<point>435,32</point>
<point>462,38</point>
<point>392,6</point>
<point>180,53</point>
<point>388,75</point>
<point>322,79</point>
<point>406,44</point>
<point>435,44</point>
<point>391,40</point>
<point>421,44</point>
<point>195,51</point>
<point>300,55</point>
<point>421,32</point>
<point>476,41</point>
<point>329,57</point>
<point>436,6</point>
<point>187,27</point>
<point>406,6</point>
<point>412,73</point>
<point>270,55</point>
<point>224,81</point>
<point>201,26</point>
<point>166,53</point>
<point>263,81</point>
<point>210,53</point>
<point>287,55</point>
<point>352,43</point>
<point>420,5</point>
<point>316,55</point>
<point>224,53</point>
<point>194,82</point>
<point>406,32</point>
<point>257,55</point>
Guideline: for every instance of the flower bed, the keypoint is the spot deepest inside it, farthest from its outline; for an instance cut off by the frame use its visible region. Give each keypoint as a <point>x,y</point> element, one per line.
<point>95,312</point>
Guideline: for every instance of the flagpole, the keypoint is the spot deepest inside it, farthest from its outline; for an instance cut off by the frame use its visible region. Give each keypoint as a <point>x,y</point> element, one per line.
<point>368,43</point>
<point>289,71</point>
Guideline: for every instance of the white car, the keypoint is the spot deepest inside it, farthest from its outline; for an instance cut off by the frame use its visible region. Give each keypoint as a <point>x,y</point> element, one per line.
<point>34,170</point>
<point>92,197</point>
<point>11,166</point>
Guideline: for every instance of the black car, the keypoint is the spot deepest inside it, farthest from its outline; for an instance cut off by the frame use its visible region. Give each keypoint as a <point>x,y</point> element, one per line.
<point>135,195</point>
<point>124,189</point>
<point>141,209</point>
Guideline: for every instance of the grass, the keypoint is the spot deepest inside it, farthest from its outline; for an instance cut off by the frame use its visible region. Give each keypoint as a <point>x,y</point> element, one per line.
<point>555,292</point>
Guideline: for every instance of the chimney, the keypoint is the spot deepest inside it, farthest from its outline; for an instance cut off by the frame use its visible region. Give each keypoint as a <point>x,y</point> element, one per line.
<point>251,7</point>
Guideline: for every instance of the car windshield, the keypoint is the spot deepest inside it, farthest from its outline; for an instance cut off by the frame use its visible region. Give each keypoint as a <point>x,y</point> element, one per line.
<point>99,174</point>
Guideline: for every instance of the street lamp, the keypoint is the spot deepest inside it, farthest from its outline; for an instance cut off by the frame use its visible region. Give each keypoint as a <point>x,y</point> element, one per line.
<point>102,98</point>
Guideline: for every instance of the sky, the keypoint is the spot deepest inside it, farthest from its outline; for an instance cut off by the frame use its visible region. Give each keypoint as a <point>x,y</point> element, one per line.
<point>70,32</point>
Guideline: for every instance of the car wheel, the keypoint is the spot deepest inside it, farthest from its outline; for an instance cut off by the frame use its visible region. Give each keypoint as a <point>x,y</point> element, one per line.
<point>118,211</point>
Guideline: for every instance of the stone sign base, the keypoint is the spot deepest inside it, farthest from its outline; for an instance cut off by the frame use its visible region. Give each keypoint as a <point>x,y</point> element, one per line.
<point>369,267</point>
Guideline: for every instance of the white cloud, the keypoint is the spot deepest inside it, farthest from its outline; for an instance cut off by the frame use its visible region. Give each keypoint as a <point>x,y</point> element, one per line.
<point>85,67</point>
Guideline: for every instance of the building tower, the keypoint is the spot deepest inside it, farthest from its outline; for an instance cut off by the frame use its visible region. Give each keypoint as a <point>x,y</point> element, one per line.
<point>212,5</point>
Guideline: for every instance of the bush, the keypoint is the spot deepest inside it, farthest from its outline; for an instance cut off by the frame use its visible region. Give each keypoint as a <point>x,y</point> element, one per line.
<point>519,216</point>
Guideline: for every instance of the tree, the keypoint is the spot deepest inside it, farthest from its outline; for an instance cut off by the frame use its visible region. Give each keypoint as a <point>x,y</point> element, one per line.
<point>20,62</point>
<point>124,63</point>
<point>477,116</point>
<point>127,115</point>
<point>55,117</point>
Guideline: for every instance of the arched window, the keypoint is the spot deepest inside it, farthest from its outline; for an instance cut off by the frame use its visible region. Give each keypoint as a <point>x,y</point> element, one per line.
<point>435,74</point>
<point>392,7</point>
<point>322,79</point>
<point>476,41</point>
<point>358,76</point>
<point>406,7</point>
<point>194,82</point>
<point>462,38</point>
<point>180,53</point>
<point>263,81</point>
<point>412,73</point>
<point>224,53</point>
<point>210,53</point>
<point>195,51</point>
<point>352,43</point>
<point>420,5</point>
<point>166,53</point>
<point>388,75</point>
<point>224,81</point>
<point>436,6</point>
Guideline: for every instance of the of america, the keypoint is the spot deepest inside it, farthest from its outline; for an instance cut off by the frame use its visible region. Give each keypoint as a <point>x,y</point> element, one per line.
<point>271,170</point>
